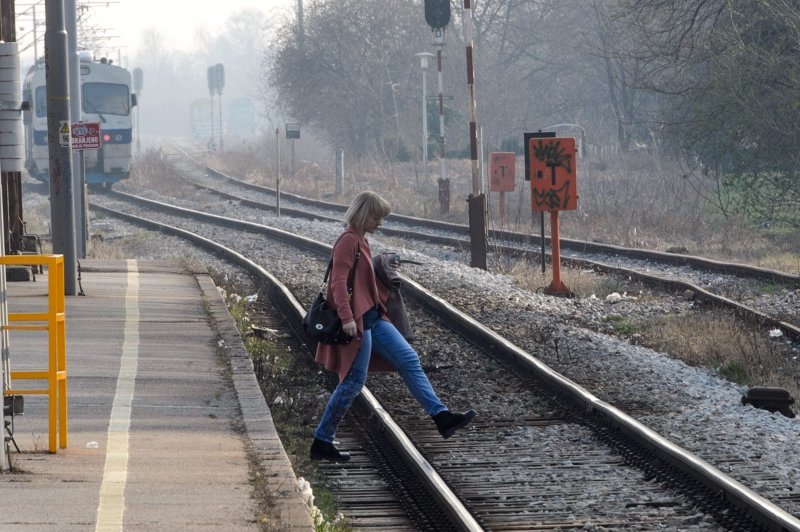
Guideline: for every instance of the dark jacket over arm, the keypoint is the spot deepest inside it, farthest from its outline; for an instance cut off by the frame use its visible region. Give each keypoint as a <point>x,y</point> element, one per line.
<point>395,306</point>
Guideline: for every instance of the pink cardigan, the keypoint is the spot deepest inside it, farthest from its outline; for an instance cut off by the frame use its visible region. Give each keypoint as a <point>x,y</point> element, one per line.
<point>366,294</point>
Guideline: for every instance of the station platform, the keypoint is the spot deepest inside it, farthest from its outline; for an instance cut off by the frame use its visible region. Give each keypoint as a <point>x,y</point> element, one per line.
<point>167,426</point>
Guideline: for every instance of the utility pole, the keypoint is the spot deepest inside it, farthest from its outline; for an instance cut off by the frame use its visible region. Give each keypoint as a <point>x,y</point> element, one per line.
<point>138,84</point>
<point>277,172</point>
<point>11,157</point>
<point>79,178</point>
<point>220,77</point>
<point>301,31</point>
<point>59,138</point>
<point>6,18</point>
<point>11,175</point>
<point>212,88</point>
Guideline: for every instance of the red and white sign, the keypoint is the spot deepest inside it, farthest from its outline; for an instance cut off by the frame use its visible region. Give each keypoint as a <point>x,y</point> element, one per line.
<point>86,136</point>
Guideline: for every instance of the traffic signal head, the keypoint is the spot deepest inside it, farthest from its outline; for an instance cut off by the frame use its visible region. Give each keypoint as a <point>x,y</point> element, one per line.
<point>220,77</point>
<point>212,80</point>
<point>216,79</point>
<point>437,13</point>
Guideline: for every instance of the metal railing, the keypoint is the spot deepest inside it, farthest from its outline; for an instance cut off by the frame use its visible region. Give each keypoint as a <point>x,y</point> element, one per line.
<point>53,321</point>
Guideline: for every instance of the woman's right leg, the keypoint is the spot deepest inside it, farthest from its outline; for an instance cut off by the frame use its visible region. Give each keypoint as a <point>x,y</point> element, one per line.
<point>391,346</point>
<point>347,390</point>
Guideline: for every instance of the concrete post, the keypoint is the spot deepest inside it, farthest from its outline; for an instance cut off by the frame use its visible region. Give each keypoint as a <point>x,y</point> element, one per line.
<point>62,218</point>
<point>79,178</point>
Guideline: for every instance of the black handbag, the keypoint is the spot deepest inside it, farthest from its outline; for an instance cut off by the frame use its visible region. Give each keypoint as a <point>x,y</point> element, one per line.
<point>322,323</point>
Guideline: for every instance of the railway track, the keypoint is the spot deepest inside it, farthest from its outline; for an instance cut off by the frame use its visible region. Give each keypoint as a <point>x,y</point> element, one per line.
<point>541,443</point>
<point>736,287</point>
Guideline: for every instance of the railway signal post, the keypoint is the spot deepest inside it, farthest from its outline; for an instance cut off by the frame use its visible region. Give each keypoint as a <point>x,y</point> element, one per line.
<point>292,133</point>
<point>277,172</point>
<point>220,78</point>
<point>437,15</point>
<point>478,230</point>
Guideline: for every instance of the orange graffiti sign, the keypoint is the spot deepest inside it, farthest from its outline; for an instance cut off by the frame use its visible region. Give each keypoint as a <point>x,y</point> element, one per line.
<point>554,175</point>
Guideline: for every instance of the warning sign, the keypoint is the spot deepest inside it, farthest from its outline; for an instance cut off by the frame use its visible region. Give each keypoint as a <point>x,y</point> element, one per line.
<point>554,183</point>
<point>63,134</point>
<point>86,136</point>
<point>501,171</point>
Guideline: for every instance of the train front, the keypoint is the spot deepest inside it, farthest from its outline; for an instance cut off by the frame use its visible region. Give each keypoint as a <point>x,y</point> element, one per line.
<point>106,99</point>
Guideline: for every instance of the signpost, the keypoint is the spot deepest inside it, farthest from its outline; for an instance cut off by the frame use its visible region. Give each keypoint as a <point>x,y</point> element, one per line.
<point>86,136</point>
<point>554,186</point>
<point>553,174</point>
<point>292,133</point>
<point>292,130</point>
<point>502,166</point>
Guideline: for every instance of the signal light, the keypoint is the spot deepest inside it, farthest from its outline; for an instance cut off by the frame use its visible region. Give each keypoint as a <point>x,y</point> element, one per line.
<point>216,79</point>
<point>106,137</point>
<point>437,13</point>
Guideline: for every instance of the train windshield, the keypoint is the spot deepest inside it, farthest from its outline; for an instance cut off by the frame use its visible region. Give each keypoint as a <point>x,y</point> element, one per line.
<point>41,101</point>
<point>106,99</point>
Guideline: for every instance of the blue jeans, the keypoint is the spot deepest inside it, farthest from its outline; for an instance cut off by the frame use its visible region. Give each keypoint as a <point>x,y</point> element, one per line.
<point>387,341</point>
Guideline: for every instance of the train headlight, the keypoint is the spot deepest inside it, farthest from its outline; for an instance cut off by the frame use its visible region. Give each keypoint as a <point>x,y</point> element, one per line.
<point>118,138</point>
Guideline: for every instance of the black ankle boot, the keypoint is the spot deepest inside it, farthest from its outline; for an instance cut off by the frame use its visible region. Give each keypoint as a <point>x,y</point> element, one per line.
<point>449,422</point>
<point>322,450</point>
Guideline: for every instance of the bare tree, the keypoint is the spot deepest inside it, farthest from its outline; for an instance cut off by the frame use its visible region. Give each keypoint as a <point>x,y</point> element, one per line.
<point>727,75</point>
<point>350,75</point>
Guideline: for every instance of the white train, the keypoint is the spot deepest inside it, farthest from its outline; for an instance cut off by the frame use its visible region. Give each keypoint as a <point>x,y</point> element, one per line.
<point>106,98</point>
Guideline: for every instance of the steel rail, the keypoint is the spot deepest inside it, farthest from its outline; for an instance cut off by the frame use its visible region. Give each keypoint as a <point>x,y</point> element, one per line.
<point>759,508</point>
<point>449,503</point>
<point>744,270</point>
<point>745,312</point>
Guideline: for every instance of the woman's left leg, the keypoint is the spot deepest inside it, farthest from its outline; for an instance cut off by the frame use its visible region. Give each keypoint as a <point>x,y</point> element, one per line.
<point>342,397</point>
<point>391,346</point>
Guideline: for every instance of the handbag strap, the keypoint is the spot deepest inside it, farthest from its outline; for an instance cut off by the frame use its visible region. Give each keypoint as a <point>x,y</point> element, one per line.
<point>349,277</point>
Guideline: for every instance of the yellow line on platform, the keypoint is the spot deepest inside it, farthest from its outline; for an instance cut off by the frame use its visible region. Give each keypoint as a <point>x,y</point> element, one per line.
<point>111,509</point>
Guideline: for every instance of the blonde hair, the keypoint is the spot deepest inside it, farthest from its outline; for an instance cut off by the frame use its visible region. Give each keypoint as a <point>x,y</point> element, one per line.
<point>364,205</point>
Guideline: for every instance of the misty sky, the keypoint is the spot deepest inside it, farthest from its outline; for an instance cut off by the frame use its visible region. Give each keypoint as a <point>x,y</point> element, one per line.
<point>125,21</point>
<point>178,20</point>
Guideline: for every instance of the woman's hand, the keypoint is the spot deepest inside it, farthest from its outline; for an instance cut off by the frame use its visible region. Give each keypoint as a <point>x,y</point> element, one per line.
<point>350,328</point>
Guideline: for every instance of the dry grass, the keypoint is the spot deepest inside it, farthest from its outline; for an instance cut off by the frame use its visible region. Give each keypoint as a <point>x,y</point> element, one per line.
<point>100,249</point>
<point>582,283</point>
<point>629,200</point>
<point>718,340</point>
